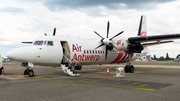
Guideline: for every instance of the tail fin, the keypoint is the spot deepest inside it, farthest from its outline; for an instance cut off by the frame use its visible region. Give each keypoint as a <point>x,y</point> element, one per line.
<point>142,26</point>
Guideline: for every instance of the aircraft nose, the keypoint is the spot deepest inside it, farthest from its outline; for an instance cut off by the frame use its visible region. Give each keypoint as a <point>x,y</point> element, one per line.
<point>11,54</point>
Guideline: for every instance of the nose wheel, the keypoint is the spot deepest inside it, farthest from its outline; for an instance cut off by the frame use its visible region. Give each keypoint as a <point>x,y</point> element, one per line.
<point>29,72</point>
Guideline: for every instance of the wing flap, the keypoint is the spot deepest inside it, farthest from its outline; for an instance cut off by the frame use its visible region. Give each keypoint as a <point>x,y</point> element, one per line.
<point>156,43</point>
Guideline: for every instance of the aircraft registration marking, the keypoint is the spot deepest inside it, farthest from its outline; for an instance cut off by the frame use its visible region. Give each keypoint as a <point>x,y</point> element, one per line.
<point>119,83</point>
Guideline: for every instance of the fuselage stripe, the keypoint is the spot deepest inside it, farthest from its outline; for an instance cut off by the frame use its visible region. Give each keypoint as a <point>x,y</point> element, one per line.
<point>127,59</point>
<point>118,57</point>
<point>124,57</point>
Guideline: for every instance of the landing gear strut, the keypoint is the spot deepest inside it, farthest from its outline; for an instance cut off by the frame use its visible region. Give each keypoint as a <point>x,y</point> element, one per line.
<point>29,72</point>
<point>128,67</point>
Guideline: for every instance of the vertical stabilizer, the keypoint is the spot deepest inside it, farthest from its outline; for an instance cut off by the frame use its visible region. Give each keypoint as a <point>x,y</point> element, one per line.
<point>142,26</point>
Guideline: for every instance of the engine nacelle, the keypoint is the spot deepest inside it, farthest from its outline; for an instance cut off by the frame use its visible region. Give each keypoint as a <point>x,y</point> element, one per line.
<point>135,48</point>
<point>128,47</point>
<point>122,45</point>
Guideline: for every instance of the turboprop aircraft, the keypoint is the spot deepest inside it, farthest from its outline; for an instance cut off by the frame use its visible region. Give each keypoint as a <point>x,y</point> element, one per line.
<point>72,53</point>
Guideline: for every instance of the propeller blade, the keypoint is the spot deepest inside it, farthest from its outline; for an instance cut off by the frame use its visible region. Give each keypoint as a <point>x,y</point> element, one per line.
<point>107,29</point>
<point>54,32</point>
<point>106,52</point>
<point>99,46</point>
<point>113,45</point>
<point>116,35</point>
<point>98,34</point>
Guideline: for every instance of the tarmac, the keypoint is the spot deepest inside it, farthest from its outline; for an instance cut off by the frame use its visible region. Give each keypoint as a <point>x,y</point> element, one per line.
<point>150,81</point>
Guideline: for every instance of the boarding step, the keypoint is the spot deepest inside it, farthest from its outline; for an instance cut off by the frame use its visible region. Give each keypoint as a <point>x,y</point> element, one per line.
<point>69,71</point>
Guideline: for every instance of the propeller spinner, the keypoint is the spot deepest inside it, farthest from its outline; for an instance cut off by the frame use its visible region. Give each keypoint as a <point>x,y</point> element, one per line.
<point>107,41</point>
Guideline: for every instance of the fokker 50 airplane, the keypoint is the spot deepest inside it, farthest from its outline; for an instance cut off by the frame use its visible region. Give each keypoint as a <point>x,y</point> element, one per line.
<point>72,53</point>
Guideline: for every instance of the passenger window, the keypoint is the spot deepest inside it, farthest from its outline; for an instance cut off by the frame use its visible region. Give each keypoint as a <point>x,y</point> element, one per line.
<point>50,43</point>
<point>84,52</point>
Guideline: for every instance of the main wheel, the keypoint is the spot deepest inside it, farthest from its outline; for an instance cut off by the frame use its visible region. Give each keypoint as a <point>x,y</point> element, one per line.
<point>126,69</point>
<point>131,69</point>
<point>26,72</point>
<point>31,73</point>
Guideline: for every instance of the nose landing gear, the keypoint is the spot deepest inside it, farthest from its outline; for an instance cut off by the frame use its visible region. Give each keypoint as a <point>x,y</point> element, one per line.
<point>28,72</point>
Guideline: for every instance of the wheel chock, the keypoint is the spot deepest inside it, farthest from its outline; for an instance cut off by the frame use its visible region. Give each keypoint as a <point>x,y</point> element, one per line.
<point>29,76</point>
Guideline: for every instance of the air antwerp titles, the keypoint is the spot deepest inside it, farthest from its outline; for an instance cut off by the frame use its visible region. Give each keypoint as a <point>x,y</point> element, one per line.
<point>83,57</point>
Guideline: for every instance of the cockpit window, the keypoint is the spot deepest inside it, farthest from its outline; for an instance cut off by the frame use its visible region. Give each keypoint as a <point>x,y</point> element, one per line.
<point>44,42</point>
<point>50,43</point>
<point>38,43</point>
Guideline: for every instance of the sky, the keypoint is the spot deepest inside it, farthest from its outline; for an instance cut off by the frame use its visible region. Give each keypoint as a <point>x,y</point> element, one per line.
<point>26,20</point>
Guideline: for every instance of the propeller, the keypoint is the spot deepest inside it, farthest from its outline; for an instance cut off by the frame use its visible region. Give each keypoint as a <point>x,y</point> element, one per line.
<point>107,41</point>
<point>54,32</point>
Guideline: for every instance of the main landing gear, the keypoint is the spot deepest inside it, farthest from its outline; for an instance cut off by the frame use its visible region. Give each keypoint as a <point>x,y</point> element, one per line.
<point>129,68</point>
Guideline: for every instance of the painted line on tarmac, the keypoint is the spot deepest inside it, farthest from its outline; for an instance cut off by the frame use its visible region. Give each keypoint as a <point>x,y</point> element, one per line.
<point>6,79</point>
<point>118,83</point>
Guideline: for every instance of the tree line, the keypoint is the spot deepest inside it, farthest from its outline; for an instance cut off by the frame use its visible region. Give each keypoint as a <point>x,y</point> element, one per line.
<point>162,58</point>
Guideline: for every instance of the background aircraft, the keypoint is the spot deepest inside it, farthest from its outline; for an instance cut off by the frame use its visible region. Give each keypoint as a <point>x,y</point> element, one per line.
<point>72,53</point>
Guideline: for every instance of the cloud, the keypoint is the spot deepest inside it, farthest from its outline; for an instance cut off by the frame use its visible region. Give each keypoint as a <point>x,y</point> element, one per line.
<point>13,10</point>
<point>99,8</point>
<point>110,4</point>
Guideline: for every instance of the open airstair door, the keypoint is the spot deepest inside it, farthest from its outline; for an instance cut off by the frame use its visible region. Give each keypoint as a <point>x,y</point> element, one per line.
<point>66,63</point>
<point>66,52</point>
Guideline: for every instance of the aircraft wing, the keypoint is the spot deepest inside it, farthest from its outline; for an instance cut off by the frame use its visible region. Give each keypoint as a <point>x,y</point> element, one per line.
<point>158,39</point>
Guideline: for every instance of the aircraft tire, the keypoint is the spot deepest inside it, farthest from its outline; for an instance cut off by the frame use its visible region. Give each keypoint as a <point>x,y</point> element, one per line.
<point>31,73</point>
<point>26,72</point>
<point>131,69</point>
<point>126,69</point>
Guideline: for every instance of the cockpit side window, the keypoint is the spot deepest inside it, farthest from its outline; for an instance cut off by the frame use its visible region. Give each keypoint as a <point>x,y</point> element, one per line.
<point>38,43</point>
<point>44,42</point>
<point>50,43</point>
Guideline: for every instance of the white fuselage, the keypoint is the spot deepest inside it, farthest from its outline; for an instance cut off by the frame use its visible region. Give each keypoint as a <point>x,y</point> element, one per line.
<point>49,51</point>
